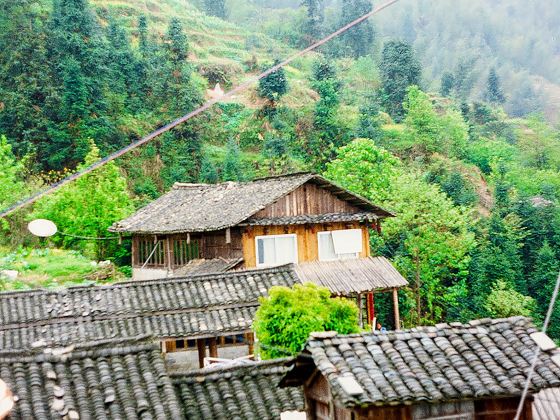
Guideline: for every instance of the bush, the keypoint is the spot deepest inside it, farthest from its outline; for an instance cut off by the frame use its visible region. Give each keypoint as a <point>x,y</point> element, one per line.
<point>287,317</point>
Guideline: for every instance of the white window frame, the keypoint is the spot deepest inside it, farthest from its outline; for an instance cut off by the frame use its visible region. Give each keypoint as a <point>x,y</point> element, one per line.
<point>291,235</point>
<point>338,258</point>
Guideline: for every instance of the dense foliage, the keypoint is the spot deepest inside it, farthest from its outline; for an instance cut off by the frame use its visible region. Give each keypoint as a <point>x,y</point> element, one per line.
<point>287,316</point>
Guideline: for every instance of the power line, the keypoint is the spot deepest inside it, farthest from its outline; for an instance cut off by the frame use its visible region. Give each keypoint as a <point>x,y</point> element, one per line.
<point>538,349</point>
<point>53,187</point>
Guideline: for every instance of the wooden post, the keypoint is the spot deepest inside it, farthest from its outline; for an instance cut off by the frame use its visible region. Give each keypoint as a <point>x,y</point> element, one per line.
<point>251,342</point>
<point>228,236</point>
<point>371,309</point>
<point>201,345</point>
<point>361,317</point>
<point>168,254</point>
<point>396,309</point>
<point>213,345</point>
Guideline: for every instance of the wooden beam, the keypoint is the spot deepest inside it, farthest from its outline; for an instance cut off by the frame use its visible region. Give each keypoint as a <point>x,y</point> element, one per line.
<point>370,309</point>
<point>396,309</point>
<point>228,236</point>
<point>201,346</point>
<point>213,345</point>
<point>360,315</point>
<point>168,253</point>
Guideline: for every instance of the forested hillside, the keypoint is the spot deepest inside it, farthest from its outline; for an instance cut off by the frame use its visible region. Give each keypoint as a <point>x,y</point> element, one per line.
<point>432,110</point>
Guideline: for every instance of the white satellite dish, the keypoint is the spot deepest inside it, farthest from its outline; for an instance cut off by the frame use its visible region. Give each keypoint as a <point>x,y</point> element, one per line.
<point>42,228</point>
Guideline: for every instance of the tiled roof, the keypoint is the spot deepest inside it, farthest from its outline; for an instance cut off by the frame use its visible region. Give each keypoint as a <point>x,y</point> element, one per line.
<point>206,207</point>
<point>202,266</point>
<point>112,379</point>
<point>311,218</point>
<point>200,306</point>
<point>199,323</point>
<point>147,296</point>
<point>546,405</point>
<point>481,359</point>
<point>348,277</point>
<point>247,391</point>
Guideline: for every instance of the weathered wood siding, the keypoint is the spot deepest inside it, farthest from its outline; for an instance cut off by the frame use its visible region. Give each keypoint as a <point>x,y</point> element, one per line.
<point>320,405</point>
<point>308,248</point>
<point>307,199</point>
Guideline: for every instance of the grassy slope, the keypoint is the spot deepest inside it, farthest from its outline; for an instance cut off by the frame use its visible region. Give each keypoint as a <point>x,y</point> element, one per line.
<point>47,268</point>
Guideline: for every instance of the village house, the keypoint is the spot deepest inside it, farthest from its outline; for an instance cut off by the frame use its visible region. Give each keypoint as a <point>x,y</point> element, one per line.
<point>300,219</point>
<point>453,371</point>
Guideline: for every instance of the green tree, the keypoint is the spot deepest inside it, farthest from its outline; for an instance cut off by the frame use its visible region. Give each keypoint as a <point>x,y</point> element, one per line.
<point>315,18</point>
<point>542,283</point>
<point>494,92</point>
<point>358,40</point>
<point>399,69</point>
<point>429,240</point>
<point>273,86</point>
<point>143,34</point>
<point>287,316</point>
<point>215,8</point>
<point>447,84</point>
<point>208,172</point>
<point>176,42</point>
<point>327,84</point>
<point>365,169</point>
<point>26,79</point>
<point>11,184</point>
<point>430,132</point>
<point>87,207</point>
<point>232,169</point>
<point>369,122</point>
<point>503,302</point>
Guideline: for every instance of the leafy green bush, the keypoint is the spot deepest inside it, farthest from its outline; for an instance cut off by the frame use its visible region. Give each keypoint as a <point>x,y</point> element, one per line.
<point>287,317</point>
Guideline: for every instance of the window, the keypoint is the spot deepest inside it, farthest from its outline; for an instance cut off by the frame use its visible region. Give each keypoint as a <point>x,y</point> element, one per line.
<point>183,251</point>
<point>339,244</point>
<point>150,253</point>
<point>276,249</point>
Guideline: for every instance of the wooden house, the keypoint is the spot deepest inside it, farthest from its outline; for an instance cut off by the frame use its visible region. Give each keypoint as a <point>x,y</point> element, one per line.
<point>300,218</point>
<point>451,371</point>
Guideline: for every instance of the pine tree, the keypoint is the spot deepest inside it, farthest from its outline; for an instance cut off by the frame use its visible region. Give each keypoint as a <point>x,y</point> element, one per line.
<point>542,284</point>
<point>26,80</point>
<point>447,84</point>
<point>122,65</point>
<point>215,8</point>
<point>369,123</point>
<point>494,93</point>
<point>75,94</point>
<point>358,40</point>
<point>315,18</point>
<point>208,172</point>
<point>143,34</point>
<point>399,69</point>
<point>176,42</point>
<point>325,81</point>
<point>232,169</point>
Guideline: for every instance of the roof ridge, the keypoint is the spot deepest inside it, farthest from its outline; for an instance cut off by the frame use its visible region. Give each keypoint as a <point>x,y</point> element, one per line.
<point>250,365</point>
<point>398,334</point>
<point>193,278</point>
<point>114,346</point>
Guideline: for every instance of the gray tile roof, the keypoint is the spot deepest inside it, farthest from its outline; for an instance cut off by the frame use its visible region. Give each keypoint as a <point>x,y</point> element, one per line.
<point>112,379</point>
<point>247,391</point>
<point>481,359</point>
<point>546,405</point>
<point>199,306</point>
<point>348,277</point>
<point>147,296</point>
<point>199,323</point>
<point>202,266</point>
<point>311,218</point>
<point>207,207</point>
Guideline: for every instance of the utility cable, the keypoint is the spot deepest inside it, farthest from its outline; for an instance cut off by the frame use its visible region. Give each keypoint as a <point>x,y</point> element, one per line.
<point>53,187</point>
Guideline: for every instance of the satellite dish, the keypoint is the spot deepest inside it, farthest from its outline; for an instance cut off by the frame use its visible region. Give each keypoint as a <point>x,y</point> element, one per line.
<point>42,228</point>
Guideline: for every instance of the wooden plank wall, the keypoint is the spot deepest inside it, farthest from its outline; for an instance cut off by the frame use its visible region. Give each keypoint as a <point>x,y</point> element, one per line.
<point>307,199</point>
<point>308,249</point>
